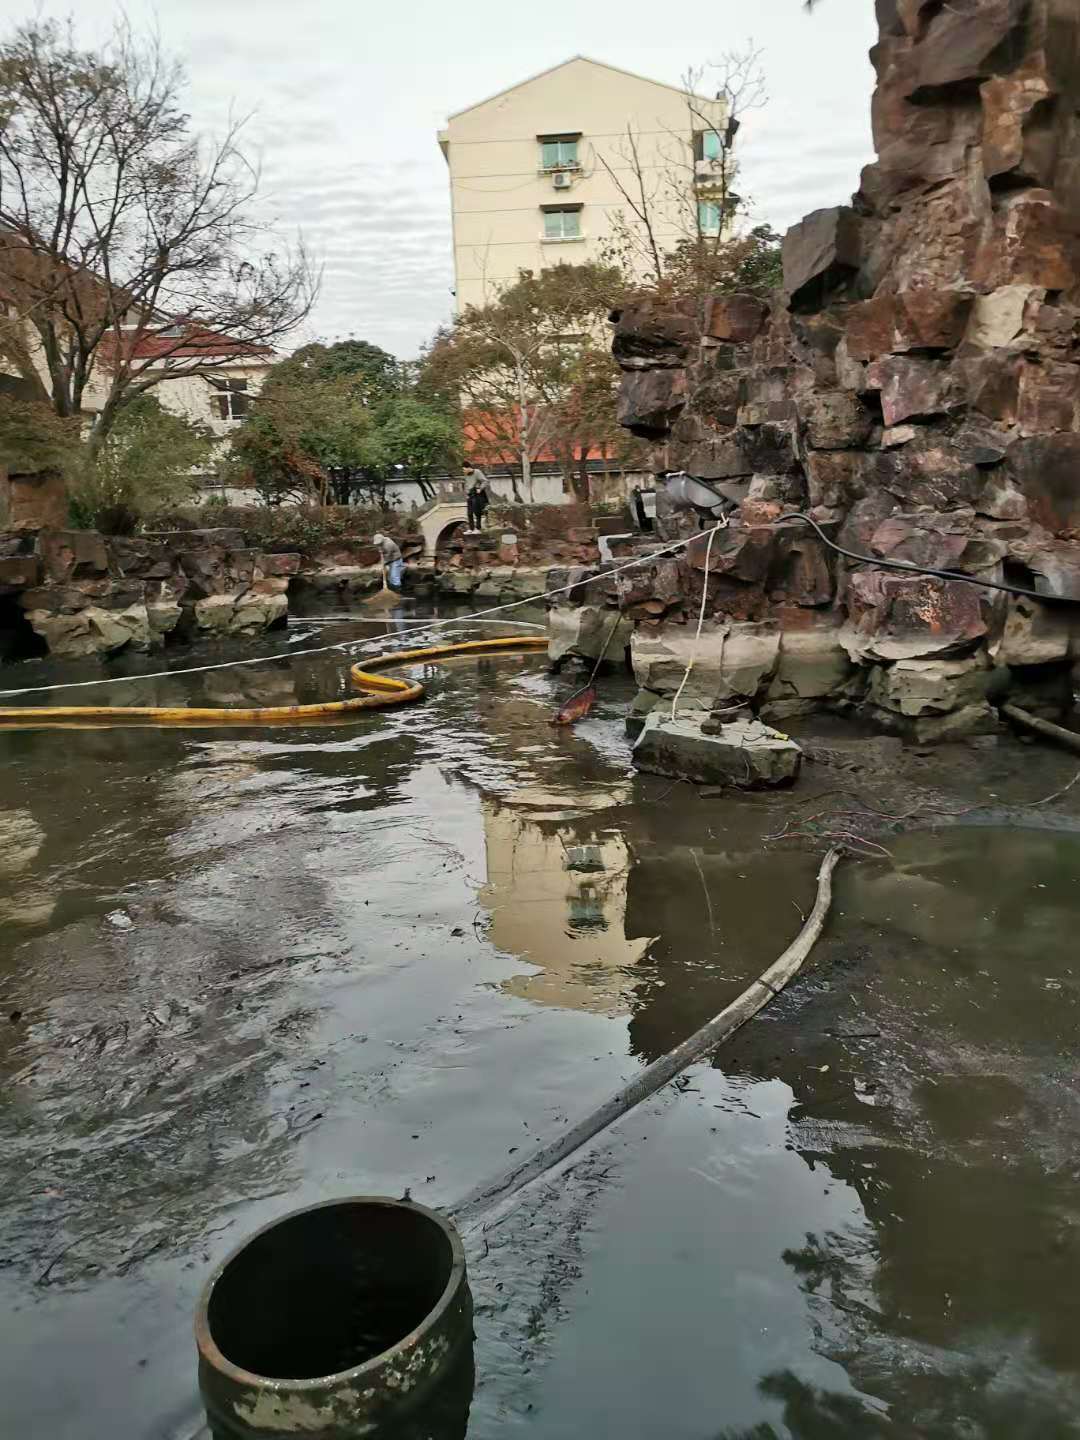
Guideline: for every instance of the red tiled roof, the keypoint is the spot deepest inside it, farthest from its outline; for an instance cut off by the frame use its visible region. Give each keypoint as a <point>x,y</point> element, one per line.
<point>491,438</point>
<point>196,345</point>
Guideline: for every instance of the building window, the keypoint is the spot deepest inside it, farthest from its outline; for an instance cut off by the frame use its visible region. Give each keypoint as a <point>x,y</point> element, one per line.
<point>559,152</point>
<point>708,217</point>
<point>707,145</point>
<point>562,223</point>
<point>232,400</point>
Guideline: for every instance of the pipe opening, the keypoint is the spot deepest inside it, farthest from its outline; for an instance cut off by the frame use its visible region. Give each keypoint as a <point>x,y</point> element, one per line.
<point>329,1289</point>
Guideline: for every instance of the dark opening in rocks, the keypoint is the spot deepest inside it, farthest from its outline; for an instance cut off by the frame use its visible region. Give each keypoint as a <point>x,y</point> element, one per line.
<point>18,640</point>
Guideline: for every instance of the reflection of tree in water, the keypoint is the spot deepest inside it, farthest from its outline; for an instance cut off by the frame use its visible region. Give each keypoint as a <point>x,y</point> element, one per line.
<point>811,1413</point>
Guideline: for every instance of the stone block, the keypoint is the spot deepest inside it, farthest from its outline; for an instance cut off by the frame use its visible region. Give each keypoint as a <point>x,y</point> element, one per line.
<point>739,318</point>
<point>585,630</point>
<point>820,253</point>
<point>835,478</point>
<point>92,631</point>
<point>72,554</point>
<point>992,384</point>
<point>922,319</point>
<point>925,687</point>
<point>900,617</point>
<point>716,400</point>
<point>736,659</point>
<point>998,318</point>
<point>652,334</point>
<point>162,616</point>
<point>1007,105</point>
<point>933,473</point>
<point>1032,242</point>
<point>650,401</point>
<point>1049,399</point>
<point>910,388</point>
<point>745,754</point>
<point>897,435</point>
<point>1001,500</point>
<point>932,319</point>
<point>812,664</point>
<point>958,44</point>
<point>870,328</point>
<point>1033,634</point>
<point>33,502</point>
<point>1046,469</point>
<point>277,564</point>
<point>936,540</point>
<point>835,419</point>
<point>18,572</point>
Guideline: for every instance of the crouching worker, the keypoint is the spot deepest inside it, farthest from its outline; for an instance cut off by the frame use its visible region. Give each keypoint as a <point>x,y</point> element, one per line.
<point>393,566</point>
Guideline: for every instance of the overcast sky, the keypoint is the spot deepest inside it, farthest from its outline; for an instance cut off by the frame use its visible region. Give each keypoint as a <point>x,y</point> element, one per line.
<point>347,96</point>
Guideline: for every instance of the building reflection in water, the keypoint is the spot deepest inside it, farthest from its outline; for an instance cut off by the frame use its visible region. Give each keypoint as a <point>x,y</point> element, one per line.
<point>556,893</point>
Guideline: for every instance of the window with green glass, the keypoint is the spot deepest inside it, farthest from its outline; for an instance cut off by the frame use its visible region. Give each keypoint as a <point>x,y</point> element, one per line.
<point>562,224</point>
<point>708,217</point>
<point>559,152</point>
<point>710,145</point>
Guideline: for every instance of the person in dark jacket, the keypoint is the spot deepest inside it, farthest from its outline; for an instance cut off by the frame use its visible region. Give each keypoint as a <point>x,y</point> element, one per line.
<point>476,497</point>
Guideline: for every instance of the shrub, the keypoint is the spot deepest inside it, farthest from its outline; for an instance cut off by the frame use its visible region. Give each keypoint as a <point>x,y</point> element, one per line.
<point>145,464</point>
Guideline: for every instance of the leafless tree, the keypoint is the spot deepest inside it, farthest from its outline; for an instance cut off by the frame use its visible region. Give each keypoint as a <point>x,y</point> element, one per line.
<point>696,174</point>
<point>130,250</point>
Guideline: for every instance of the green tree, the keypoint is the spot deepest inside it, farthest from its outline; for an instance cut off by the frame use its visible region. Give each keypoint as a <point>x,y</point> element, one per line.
<point>511,365</point>
<point>374,373</point>
<point>300,432</point>
<point>750,263</point>
<point>33,437</point>
<point>146,462</point>
<point>423,438</point>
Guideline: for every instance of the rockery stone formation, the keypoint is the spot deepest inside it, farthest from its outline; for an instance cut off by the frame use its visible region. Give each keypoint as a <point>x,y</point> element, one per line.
<point>915,389</point>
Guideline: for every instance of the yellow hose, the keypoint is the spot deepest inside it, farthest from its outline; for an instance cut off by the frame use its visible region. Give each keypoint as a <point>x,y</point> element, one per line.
<point>388,691</point>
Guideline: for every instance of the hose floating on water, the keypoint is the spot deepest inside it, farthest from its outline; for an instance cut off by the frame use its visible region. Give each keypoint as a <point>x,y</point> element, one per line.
<point>474,1208</point>
<point>386,692</point>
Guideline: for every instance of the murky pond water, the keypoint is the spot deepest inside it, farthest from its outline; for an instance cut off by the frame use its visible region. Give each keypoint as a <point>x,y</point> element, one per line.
<point>246,970</point>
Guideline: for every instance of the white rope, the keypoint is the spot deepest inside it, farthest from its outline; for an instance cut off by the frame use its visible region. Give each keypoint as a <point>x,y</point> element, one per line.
<point>700,618</point>
<point>424,629</point>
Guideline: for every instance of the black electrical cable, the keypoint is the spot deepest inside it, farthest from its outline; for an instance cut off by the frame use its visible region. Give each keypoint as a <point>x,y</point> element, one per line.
<point>906,565</point>
<point>911,567</point>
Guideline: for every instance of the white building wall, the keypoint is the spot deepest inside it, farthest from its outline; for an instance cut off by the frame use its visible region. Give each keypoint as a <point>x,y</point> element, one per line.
<point>498,188</point>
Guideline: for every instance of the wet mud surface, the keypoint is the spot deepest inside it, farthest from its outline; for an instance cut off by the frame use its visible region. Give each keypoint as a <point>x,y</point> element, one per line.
<point>244,971</point>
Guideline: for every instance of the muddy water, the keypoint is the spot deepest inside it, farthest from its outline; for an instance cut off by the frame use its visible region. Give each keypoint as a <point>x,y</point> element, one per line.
<point>248,970</point>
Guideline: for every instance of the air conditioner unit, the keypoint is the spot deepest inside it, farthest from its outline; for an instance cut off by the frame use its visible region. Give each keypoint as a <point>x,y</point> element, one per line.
<point>561,180</point>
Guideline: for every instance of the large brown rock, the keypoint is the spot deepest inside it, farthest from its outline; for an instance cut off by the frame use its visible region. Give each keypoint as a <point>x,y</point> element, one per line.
<point>835,419</point>
<point>821,253</point>
<point>910,387</point>
<point>958,43</point>
<point>901,617</point>
<point>18,572</point>
<point>651,335</point>
<point>72,555</point>
<point>914,320</point>
<point>32,502</point>
<point>651,400</point>
<point>1046,470</point>
<point>734,317</point>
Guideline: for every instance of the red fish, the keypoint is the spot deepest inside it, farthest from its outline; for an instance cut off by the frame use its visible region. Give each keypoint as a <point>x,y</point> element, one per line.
<point>577,707</point>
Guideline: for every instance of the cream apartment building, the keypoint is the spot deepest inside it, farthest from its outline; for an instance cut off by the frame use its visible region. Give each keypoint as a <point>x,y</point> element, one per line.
<point>531,182</point>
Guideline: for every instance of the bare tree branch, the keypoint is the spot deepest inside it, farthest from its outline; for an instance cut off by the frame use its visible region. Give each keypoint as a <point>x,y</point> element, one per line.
<point>130,252</point>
